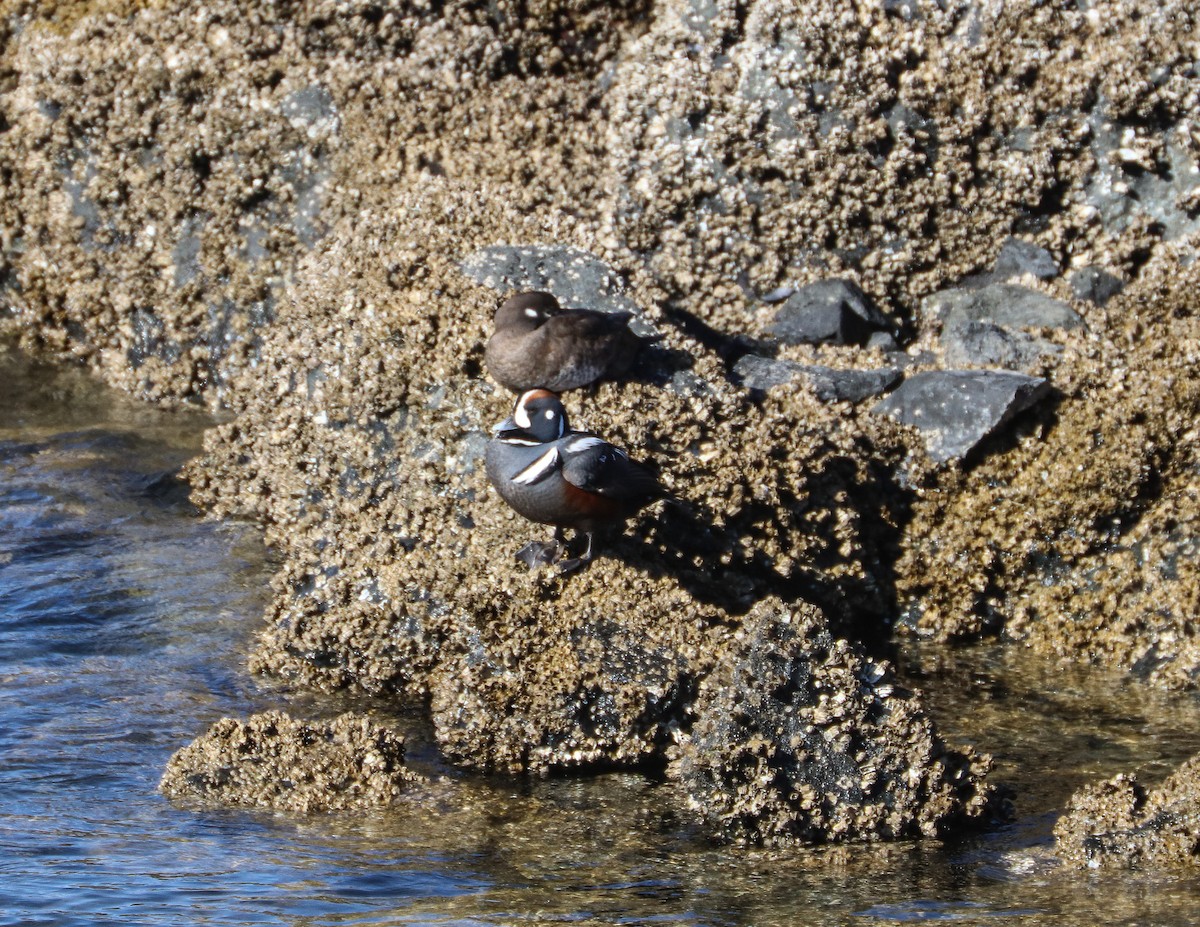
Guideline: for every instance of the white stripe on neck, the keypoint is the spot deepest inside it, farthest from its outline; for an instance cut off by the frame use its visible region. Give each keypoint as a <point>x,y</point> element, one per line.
<point>539,469</point>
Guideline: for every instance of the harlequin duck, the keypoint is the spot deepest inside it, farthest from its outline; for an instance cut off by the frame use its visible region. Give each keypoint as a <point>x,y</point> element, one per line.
<point>569,479</point>
<point>537,343</point>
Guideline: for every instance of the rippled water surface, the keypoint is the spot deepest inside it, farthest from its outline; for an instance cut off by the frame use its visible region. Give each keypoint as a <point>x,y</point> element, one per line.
<point>124,624</point>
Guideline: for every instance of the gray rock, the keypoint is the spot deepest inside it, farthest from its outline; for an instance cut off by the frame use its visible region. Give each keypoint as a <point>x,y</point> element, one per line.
<point>833,385</point>
<point>885,341</point>
<point>984,344</point>
<point>828,311</point>
<point>762,89</point>
<point>1008,305</point>
<point>830,385</point>
<point>756,372</point>
<point>1095,285</point>
<point>908,123</point>
<point>309,106</point>
<point>1019,257</point>
<point>956,409</point>
<point>908,10</point>
<point>1139,175</point>
<point>577,278</point>
<point>778,295</point>
<point>186,253</point>
<point>686,383</point>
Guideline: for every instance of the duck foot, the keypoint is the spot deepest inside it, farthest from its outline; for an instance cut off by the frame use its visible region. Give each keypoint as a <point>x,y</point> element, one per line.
<point>538,554</point>
<point>574,563</point>
<point>571,564</point>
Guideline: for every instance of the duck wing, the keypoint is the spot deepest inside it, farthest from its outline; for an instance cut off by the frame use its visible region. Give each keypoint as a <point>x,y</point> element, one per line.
<point>592,464</point>
<point>586,323</point>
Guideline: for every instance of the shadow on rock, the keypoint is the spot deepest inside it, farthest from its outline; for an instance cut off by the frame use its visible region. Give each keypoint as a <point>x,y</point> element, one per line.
<point>730,566</point>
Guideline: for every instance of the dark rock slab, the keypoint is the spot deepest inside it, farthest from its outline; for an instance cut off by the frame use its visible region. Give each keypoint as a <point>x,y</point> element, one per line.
<point>799,739</point>
<point>884,341</point>
<point>576,277</point>
<point>832,385</point>
<point>1018,257</point>
<point>829,384</point>
<point>1008,305</point>
<point>827,312</point>
<point>1095,284</point>
<point>1120,823</point>
<point>271,760</point>
<point>957,409</point>
<point>984,344</point>
<point>1140,177</point>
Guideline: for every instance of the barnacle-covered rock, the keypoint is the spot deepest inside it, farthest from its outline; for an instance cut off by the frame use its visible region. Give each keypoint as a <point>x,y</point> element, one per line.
<point>298,212</point>
<point>800,738</point>
<point>1119,822</point>
<point>271,760</point>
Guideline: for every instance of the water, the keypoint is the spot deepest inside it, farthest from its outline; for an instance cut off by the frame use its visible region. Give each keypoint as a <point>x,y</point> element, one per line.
<point>124,624</point>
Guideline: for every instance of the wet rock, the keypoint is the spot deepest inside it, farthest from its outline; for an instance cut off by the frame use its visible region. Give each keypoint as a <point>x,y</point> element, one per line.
<point>828,383</point>
<point>590,690</point>
<point>800,739</point>
<point>984,344</point>
<point>271,760</point>
<point>1121,823</point>
<point>956,409</point>
<point>829,311</point>
<point>1095,284</point>
<point>1007,305</point>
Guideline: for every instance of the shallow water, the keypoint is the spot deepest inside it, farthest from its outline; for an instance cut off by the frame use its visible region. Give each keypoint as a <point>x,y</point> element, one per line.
<point>124,624</point>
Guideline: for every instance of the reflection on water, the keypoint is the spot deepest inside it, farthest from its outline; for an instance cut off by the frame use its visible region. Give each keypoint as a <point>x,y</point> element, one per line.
<point>124,621</point>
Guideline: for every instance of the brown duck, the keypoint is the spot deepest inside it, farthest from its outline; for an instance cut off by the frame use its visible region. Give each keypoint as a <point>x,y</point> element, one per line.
<point>539,345</point>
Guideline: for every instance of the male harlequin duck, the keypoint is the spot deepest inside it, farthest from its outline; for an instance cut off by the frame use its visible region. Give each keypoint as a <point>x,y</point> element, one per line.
<point>569,479</point>
<point>537,343</point>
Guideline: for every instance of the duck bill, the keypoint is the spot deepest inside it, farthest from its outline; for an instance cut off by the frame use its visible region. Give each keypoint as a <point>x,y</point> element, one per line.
<point>509,430</point>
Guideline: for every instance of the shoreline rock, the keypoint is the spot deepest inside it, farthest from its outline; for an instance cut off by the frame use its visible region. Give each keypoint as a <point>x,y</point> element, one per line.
<point>271,212</point>
<point>271,760</point>
<point>798,739</point>
<point>1121,823</point>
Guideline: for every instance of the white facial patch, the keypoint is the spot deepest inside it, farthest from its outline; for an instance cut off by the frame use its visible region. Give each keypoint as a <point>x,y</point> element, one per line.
<point>532,313</point>
<point>539,469</point>
<point>520,416</point>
